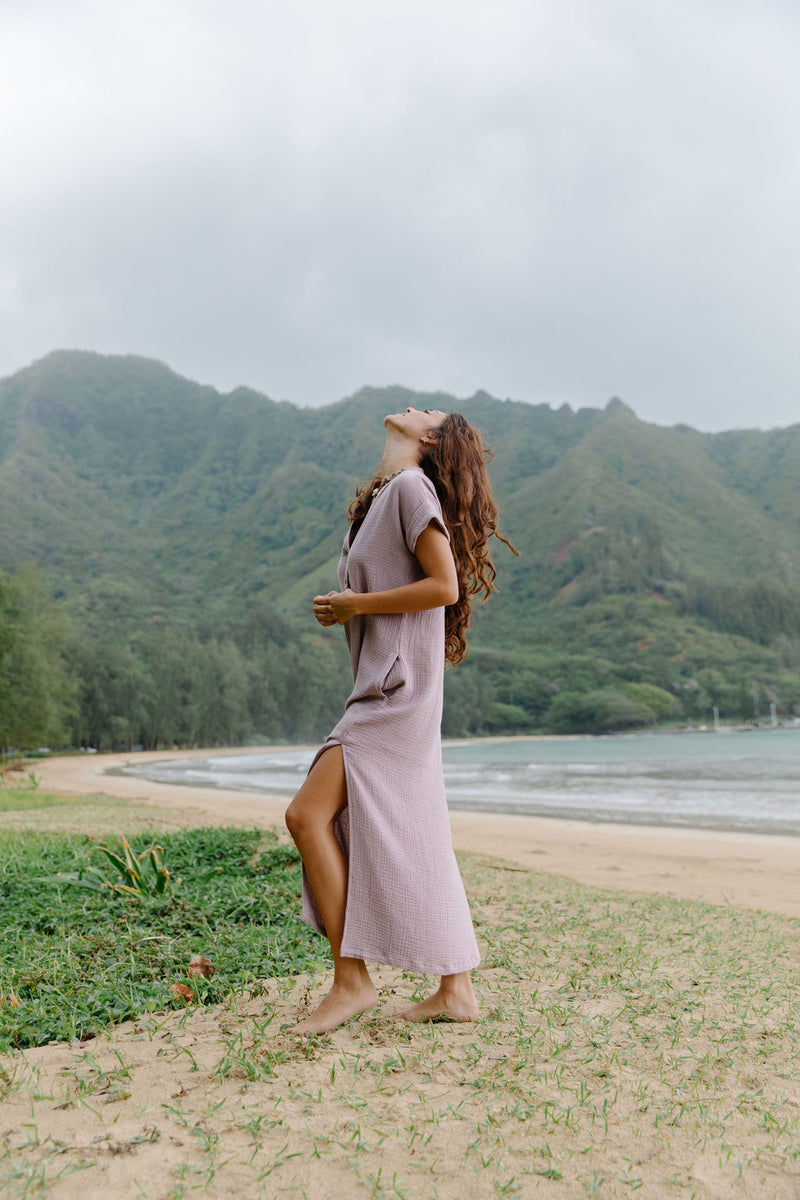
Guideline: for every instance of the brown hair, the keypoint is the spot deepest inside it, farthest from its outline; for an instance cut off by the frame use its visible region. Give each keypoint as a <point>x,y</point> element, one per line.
<point>456,466</point>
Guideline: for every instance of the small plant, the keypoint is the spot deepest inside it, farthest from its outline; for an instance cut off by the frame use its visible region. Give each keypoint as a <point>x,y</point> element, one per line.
<point>139,874</point>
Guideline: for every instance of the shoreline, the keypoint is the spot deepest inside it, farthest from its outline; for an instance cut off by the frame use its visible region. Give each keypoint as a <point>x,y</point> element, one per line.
<point>601,816</point>
<point>755,870</point>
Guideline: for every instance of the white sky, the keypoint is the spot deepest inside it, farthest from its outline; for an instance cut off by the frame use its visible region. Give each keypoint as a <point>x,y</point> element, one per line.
<point>553,200</point>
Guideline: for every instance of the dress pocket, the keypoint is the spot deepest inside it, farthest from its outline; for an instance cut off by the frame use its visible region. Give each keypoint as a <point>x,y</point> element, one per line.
<point>395,678</point>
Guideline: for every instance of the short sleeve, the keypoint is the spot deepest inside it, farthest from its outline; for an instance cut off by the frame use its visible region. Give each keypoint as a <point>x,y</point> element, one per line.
<point>418,506</point>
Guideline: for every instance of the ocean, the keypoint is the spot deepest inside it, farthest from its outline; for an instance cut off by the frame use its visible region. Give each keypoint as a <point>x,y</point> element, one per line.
<point>748,781</point>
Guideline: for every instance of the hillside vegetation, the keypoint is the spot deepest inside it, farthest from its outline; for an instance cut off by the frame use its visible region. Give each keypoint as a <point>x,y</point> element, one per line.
<point>183,533</point>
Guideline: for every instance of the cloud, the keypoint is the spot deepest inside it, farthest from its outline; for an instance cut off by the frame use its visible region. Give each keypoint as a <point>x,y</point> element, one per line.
<point>555,203</point>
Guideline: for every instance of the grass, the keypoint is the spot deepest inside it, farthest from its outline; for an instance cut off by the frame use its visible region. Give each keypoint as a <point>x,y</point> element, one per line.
<point>30,809</point>
<point>628,1046</point>
<point>75,962</point>
<point>19,799</point>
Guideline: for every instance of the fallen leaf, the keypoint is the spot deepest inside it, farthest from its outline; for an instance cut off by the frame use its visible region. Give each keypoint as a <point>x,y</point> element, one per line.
<point>11,1000</point>
<point>181,992</point>
<point>200,965</point>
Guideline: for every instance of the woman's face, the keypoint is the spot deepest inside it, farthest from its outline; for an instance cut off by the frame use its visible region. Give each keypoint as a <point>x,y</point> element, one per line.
<point>414,423</point>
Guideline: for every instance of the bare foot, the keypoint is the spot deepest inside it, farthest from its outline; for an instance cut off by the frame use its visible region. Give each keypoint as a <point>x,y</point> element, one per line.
<point>340,1004</point>
<point>443,1006</point>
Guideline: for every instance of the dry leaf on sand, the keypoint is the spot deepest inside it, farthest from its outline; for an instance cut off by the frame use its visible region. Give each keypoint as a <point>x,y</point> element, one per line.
<point>200,965</point>
<point>181,992</point>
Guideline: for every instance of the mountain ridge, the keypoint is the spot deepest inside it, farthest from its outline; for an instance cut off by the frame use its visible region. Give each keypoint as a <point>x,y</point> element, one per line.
<point>144,496</point>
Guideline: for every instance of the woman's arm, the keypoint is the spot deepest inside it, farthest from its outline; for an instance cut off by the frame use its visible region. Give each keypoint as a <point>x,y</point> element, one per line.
<point>437,589</point>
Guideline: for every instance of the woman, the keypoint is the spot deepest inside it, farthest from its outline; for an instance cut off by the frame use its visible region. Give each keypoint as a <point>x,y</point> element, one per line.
<point>370,822</point>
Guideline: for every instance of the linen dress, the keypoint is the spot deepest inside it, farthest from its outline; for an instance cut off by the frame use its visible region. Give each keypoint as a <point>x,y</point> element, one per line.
<point>406,904</point>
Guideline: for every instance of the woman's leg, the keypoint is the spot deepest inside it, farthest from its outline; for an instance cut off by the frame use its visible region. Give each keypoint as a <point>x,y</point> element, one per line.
<point>310,819</point>
<point>454,1000</point>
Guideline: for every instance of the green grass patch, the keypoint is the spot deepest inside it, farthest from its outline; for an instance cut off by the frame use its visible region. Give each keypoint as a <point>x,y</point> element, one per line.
<point>20,799</point>
<point>76,961</point>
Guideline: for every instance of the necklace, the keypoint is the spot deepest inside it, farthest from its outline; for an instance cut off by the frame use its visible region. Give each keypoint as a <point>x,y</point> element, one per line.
<point>388,479</point>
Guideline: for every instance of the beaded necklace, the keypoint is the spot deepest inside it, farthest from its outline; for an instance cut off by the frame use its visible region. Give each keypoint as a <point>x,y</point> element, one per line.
<point>388,479</point>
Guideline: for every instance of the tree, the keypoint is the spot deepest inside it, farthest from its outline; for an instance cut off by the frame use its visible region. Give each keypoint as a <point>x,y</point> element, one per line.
<point>113,692</point>
<point>35,692</point>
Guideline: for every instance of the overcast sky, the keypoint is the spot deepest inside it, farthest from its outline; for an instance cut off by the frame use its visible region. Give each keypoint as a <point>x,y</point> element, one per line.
<point>554,200</point>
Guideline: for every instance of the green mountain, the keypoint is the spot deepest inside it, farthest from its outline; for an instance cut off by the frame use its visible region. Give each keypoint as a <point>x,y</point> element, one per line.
<point>658,574</point>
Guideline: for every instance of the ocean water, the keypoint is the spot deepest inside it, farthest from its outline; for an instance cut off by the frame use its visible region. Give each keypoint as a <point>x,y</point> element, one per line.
<point>727,780</point>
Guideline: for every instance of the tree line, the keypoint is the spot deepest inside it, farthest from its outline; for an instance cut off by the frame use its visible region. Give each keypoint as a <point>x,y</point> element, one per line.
<point>622,663</point>
<point>164,686</point>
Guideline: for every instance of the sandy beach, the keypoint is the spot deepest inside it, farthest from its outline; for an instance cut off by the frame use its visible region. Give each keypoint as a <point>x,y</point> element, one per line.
<point>640,1034</point>
<point>758,871</point>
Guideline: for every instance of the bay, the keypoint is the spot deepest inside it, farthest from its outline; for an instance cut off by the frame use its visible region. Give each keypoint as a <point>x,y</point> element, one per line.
<point>748,781</point>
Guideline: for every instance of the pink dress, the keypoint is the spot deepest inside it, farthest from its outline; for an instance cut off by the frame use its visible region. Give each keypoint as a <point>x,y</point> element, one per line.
<point>406,904</point>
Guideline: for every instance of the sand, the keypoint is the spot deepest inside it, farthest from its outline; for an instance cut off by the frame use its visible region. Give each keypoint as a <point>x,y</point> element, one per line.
<point>630,1043</point>
<point>759,871</point>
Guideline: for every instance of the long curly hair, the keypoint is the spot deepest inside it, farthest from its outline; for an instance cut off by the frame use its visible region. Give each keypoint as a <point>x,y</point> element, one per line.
<point>456,464</point>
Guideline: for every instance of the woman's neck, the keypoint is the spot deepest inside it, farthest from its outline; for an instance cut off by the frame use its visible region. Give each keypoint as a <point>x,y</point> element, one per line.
<point>397,456</point>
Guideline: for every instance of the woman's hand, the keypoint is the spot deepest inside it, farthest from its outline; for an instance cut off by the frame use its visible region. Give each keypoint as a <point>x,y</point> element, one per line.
<point>336,608</point>
<point>437,589</point>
